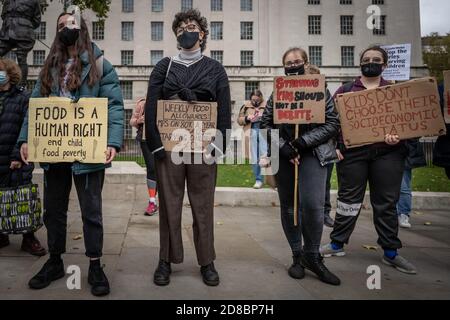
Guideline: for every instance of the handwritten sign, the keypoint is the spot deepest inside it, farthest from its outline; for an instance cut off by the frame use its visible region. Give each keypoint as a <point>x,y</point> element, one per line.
<point>410,110</point>
<point>189,127</point>
<point>62,131</point>
<point>447,96</point>
<point>299,99</point>
<point>399,62</point>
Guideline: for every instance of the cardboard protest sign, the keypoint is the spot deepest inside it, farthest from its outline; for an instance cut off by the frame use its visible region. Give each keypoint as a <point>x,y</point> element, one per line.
<point>447,96</point>
<point>399,62</point>
<point>62,131</point>
<point>299,99</point>
<point>410,110</point>
<point>185,126</point>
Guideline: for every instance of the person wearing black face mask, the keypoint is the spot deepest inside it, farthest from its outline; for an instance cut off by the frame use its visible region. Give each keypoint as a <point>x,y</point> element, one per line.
<point>69,36</point>
<point>310,152</point>
<point>188,76</point>
<point>381,165</point>
<point>250,118</point>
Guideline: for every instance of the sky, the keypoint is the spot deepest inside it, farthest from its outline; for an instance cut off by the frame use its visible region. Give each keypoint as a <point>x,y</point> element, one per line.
<point>435,16</point>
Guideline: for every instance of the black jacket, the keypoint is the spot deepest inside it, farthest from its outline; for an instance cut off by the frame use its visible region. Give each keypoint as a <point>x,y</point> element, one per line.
<point>441,153</point>
<point>416,155</point>
<point>15,105</point>
<point>316,136</point>
<point>20,18</point>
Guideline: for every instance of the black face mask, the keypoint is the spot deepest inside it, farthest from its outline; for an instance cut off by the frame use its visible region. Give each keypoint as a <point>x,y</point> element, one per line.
<point>256,104</point>
<point>295,71</point>
<point>372,70</point>
<point>69,36</point>
<point>187,40</point>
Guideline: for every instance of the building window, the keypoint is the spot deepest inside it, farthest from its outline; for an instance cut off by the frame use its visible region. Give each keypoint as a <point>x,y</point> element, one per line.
<point>345,1</point>
<point>313,1</point>
<point>41,31</point>
<point>217,55</point>
<point>127,5</point>
<point>128,130</point>
<point>377,1</point>
<point>98,30</point>
<point>246,30</point>
<point>348,56</point>
<point>38,57</point>
<point>382,30</point>
<point>314,24</point>
<point>216,5</point>
<point>186,5</point>
<point>216,30</point>
<point>127,57</point>
<point>156,56</point>
<point>246,5</point>
<point>246,58</point>
<point>347,25</point>
<point>11,55</point>
<point>157,31</point>
<point>315,55</point>
<point>250,86</point>
<point>127,89</point>
<point>157,5</point>
<point>127,31</point>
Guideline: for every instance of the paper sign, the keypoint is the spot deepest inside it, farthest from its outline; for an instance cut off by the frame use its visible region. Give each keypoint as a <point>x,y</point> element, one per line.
<point>62,131</point>
<point>399,62</point>
<point>188,127</point>
<point>299,99</point>
<point>447,96</point>
<point>410,110</point>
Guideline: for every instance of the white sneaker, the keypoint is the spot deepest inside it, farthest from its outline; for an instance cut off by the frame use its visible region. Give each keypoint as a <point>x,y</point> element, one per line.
<point>403,221</point>
<point>258,185</point>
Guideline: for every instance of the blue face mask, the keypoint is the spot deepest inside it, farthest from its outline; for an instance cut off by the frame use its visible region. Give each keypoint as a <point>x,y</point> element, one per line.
<point>3,78</point>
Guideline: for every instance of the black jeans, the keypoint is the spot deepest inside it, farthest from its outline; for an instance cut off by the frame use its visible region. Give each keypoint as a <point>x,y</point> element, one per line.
<point>382,167</point>
<point>57,186</point>
<point>149,161</point>
<point>312,180</point>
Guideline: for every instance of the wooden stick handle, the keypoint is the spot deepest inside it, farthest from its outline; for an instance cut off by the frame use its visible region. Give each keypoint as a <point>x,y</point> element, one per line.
<point>297,129</point>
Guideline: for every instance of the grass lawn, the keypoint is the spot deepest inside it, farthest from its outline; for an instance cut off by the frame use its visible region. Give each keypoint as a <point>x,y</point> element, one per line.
<point>429,179</point>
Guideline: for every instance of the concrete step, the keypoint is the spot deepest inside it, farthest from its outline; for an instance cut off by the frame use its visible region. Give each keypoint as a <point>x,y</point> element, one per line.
<point>127,181</point>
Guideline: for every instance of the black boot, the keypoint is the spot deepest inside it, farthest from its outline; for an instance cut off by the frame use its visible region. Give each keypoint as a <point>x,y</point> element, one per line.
<point>210,275</point>
<point>296,271</point>
<point>97,279</point>
<point>162,274</point>
<point>327,220</point>
<point>52,270</point>
<point>314,263</point>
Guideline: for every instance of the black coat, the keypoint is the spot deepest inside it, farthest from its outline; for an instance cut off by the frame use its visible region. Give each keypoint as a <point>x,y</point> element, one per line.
<point>15,105</point>
<point>316,136</point>
<point>20,18</point>
<point>416,155</point>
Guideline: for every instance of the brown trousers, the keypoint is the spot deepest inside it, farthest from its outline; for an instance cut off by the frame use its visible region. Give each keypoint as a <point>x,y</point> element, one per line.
<point>201,184</point>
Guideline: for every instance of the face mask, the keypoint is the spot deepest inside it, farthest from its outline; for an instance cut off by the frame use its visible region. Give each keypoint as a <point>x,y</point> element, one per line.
<point>187,40</point>
<point>372,70</point>
<point>295,71</point>
<point>69,36</point>
<point>3,78</point>
<point>256,103</point>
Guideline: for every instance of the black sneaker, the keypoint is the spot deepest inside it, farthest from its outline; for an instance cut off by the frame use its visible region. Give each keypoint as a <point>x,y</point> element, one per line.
<point>314,263</point>
<point>98,280</point>
<point>161,276</point>
<point>52,270</point>
<point>296,271</point>
<point>328,221</point>
<point>210,275</point>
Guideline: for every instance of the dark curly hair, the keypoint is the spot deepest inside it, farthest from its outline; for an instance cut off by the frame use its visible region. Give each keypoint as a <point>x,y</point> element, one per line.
<point>192,15</point>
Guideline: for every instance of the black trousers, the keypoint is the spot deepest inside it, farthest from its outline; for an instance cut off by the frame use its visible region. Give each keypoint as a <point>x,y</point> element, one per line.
<point>57,186</point>
<point>149,159</point>
<point>327,207</point>
<point>23,47</point>
<point>381,167</point>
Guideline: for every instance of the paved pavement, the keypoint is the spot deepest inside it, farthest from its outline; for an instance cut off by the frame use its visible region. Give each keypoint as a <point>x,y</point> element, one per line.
<point>253,257</point>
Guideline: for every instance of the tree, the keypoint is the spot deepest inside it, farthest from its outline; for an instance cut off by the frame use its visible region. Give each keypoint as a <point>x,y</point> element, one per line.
<point>436,54</point>
<point>100,7</point>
